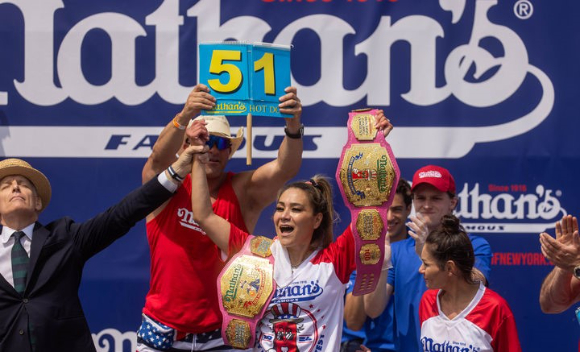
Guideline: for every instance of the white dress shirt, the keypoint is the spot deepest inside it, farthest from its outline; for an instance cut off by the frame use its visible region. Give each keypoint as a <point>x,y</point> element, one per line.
<point>6,243</point>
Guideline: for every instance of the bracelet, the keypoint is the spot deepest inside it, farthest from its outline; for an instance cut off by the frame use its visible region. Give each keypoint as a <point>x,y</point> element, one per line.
<point>174,174</point>
<point>296,135</point>
<point>177,124</point>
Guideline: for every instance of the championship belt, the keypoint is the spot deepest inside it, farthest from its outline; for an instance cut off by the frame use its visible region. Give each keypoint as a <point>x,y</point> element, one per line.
<point>367,176</point>
<point>246,285</point>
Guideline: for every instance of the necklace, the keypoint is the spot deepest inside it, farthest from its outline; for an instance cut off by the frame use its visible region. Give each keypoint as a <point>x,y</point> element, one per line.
<point>307,254</point>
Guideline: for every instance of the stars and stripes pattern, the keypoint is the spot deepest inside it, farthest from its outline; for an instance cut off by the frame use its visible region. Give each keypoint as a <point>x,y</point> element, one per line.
<point>155,334</point>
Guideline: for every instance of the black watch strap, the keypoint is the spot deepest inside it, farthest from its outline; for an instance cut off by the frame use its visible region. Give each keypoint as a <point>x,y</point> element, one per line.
<point>296,135</point>
<point>577,272</point>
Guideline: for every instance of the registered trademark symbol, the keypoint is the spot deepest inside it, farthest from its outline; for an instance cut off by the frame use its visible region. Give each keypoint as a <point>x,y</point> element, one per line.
<point>523,9</point>
<point>558,193</point>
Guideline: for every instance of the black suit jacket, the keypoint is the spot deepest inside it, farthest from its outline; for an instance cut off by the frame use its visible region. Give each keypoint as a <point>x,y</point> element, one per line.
<point>58,254</point>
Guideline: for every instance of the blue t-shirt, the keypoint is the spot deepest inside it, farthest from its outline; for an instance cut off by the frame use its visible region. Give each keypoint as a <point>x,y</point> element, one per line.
<point>379,331</point>
<point>409,287</point>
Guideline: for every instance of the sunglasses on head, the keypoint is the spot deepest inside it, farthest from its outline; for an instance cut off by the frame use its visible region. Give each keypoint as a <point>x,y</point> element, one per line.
<point>220,142</point>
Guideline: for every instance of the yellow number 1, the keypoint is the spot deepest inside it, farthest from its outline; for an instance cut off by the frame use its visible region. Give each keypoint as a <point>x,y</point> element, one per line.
<point>266,63</point>
<point>218,67</point>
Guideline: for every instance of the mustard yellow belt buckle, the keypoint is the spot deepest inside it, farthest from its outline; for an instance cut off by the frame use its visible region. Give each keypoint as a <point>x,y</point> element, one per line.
<point>246,286</point>
<point>367,176</point>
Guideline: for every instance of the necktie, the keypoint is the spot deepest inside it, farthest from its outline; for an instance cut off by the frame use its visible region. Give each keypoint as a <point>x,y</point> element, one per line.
<point>19,263</point>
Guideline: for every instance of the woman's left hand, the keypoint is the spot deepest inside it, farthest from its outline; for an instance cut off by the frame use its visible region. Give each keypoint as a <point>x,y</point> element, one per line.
<point>383,123</point>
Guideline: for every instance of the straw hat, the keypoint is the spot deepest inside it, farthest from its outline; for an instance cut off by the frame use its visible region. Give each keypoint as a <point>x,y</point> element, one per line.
<point>9,167</point>
<point>218,125</point>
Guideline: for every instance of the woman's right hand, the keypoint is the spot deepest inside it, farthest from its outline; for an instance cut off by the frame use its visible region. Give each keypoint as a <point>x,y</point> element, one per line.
<point>182,166</point>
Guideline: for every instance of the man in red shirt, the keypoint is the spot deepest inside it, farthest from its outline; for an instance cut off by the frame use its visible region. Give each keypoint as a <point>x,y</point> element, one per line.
<point>181,309</point>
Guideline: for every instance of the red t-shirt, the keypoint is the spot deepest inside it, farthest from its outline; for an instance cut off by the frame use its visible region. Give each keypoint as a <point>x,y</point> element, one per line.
<point>185,263</point>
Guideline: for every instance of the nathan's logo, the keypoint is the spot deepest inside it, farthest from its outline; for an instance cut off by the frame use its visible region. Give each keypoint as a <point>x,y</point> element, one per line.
<point>447,346</point>
<point>468,72</point>
<point>186,220</point>
<point>502,211</point>
<point>233,284</point>
<point>298,292</point>
<point>382,168</point>
<point>472,74</point>
<point>432,173</point>
<point>229,108</point>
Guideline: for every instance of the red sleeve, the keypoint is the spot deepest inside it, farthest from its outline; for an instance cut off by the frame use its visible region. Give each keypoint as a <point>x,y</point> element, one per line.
<point>341,254</point>
<point>237,240</point>
<point>428,306</point>
<point>506,335</point>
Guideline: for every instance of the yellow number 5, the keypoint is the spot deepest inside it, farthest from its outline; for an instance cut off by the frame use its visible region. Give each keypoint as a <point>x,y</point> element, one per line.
<point>217,67</point>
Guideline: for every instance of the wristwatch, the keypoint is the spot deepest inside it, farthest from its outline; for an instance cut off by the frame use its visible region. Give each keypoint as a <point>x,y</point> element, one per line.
<point>296,135</point>
<point>577,272</point>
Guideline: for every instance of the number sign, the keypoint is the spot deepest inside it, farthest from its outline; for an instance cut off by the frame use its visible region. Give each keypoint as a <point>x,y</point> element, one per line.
<point>245,78</point>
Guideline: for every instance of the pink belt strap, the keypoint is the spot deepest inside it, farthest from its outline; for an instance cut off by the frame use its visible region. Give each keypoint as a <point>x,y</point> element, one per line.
<point>367,176</point>
<point>246,286</point>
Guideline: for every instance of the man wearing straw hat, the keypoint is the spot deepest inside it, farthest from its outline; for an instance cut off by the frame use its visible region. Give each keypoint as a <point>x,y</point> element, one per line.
<point>181,306</point>
<point>41,265</point>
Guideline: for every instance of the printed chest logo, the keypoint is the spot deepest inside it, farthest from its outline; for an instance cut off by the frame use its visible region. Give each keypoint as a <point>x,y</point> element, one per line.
<point>298,292</point>
<point>185,218</point>
<point>290,328</point>
<point>447,346</point>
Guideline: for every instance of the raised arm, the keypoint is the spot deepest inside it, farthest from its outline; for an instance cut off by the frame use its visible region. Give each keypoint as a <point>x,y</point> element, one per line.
<point>561,289</point>
<point>215,227</point>
<point>172,138</point>
<point>95,234</point>
<point>376,302</point>
<point>256,189</point>
<point>354,312</point>
<point>267,179</point>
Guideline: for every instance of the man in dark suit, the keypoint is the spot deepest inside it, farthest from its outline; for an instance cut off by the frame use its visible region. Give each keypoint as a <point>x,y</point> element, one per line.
<point>41,265</point>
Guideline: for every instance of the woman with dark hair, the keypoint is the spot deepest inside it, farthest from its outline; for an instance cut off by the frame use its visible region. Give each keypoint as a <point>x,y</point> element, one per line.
<point>310,269</point>
<point>458,313</point>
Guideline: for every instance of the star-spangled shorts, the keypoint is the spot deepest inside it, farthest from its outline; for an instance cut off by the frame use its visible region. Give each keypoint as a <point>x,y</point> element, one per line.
<point>154,336</point>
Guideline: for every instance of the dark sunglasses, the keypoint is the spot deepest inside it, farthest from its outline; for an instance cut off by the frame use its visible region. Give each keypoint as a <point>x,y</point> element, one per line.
<point>220,142</point>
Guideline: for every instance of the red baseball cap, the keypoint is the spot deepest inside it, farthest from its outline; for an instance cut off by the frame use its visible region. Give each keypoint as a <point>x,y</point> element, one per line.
<point>437,176</point>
